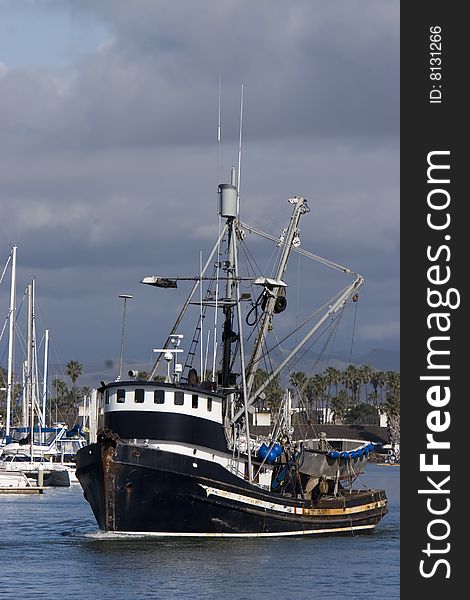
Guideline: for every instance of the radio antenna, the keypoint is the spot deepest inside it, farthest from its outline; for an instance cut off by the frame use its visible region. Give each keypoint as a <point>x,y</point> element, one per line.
<point>218,263</point>
<point>219,136</point>
<point>240,152</point>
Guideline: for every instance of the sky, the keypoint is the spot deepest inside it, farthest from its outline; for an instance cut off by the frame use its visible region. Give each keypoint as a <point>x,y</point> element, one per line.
<point>109,162</point>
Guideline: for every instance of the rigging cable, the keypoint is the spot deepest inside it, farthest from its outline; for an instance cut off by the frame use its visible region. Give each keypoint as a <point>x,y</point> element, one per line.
<point>5,268</point>
<point>354,328</point>
<point>334,327</point>
<point>20,336</point>
<point>218,264</point>
<point>304,322</point>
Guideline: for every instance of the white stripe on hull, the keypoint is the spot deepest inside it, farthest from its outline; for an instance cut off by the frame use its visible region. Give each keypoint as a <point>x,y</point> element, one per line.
<point>220,535</point>
<point>293,510</point>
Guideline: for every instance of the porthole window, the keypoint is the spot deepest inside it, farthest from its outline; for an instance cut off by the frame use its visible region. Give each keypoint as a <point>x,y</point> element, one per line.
<point>159,396</point>
<point>121,395</point>
<point>139,395</point>
<point>179,398</point>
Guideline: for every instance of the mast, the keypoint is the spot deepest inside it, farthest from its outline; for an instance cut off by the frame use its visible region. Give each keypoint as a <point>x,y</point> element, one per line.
<point>11,339</point>
<point>28,395</point>
<point>300,208</point>
<point>34,367</point>
<point>34,362</point>
<point>243,372</point>
<point>228,208</point>
<point>44,381</point>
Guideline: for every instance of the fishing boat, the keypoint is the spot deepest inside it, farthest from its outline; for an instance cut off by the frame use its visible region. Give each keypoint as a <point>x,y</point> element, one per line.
<point>176,457</point>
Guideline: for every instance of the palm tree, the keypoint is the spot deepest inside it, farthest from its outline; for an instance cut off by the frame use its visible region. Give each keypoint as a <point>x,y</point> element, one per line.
<point>380,379</point>
<point>333,377</point>
<point>392,380</point>
<point>298,380</point>
<point>373,398</point>
<point>367,373</point>
<point>61,396</point>
<point>317,387</point>
<point>339,405</point>
<point>61,389</point>
<point>350,378</point>
<point>273,392</point>
<point>392,403</point>
<point>74,370</point>
<point>392,406</point>
<point>363,414</point>
<point>85,391</point>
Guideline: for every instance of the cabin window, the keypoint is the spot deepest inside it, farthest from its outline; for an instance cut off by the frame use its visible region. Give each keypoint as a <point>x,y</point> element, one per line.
<point>139,395</point>
<point>179,398</point>
<point>106,397</point>
<point>159,396</point>
<point>195,400</point>
<point>209,404</point>
<point>121,395</point>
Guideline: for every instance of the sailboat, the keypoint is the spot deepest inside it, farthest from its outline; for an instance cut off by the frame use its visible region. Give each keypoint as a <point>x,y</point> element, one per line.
<point>33,449</point>
<point>176,457</point>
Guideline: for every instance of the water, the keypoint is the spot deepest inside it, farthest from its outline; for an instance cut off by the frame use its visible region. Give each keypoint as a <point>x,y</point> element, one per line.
<point>50,548</point>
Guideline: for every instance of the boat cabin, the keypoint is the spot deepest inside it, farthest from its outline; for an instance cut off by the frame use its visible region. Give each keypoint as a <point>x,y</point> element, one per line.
<point>153,411</point>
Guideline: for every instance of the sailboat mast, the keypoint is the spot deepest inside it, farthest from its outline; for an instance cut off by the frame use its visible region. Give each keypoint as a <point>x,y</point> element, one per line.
<point>27,395</point>
<point>11,340</point>
<point>34,362</point>
<point>31,363</point>
<point>300,208</point>
<point>44,381</point>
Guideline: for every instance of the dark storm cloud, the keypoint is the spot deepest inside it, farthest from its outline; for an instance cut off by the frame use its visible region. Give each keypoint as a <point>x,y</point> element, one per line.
<point>109,165</point>
<point>309,68</point>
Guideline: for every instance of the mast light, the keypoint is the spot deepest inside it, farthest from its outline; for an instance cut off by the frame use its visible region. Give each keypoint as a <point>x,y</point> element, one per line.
<point>269,282</point>
<point>161,282</point>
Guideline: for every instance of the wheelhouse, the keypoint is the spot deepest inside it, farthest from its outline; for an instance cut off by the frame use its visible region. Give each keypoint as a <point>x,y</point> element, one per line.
<point>154,411</point>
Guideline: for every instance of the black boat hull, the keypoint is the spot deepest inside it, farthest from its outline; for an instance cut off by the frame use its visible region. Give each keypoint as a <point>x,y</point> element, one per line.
<point>140,490</point>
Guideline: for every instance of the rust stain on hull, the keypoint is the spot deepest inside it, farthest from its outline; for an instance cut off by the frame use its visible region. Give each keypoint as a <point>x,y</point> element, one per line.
<point>108,441</point>
<point>314,512</point>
